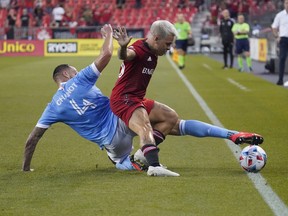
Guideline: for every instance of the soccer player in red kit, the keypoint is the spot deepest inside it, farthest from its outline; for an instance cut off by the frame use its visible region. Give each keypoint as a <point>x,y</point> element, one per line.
<point>128,100</point>
<point>149,119</point>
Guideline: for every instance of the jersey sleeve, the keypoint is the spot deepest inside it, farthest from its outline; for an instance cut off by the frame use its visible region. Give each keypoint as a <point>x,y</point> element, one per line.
<point>47,119</point>
<point>276,22</point>
<point>88,75</point>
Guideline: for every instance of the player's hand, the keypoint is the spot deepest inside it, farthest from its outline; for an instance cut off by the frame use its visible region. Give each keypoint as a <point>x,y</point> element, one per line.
<point>120,34</point>
<point>106,30</point>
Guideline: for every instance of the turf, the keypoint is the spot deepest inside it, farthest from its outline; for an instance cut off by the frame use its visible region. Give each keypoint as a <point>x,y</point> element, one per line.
<point>73,177</point>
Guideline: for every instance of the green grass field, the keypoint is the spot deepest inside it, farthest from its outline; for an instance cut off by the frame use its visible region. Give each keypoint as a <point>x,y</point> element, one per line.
<point>73,177</point>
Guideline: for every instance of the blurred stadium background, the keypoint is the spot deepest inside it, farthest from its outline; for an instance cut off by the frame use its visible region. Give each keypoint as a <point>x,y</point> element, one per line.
<point>34,20</point>
<point>73,177</point>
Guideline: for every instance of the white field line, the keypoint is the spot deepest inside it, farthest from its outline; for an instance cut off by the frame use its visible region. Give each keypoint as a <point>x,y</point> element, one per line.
<point>207,67</point>
<point>269,196</point>
<point>242,87</point>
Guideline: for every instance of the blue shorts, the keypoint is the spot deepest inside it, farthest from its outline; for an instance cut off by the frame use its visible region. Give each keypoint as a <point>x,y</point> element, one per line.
<point>182,44</point>
<point>242,45</point>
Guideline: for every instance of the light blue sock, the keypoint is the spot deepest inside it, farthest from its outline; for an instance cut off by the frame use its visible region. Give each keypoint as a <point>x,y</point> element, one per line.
<point>202,129</point>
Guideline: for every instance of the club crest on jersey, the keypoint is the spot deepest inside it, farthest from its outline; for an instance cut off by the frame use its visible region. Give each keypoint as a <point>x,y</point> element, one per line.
<point>147,71</point>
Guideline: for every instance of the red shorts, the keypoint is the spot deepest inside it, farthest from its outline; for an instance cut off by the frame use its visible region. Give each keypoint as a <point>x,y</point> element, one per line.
<point>124,108</point>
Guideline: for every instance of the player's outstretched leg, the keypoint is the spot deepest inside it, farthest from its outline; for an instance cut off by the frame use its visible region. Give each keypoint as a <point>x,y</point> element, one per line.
<point>202,129</point>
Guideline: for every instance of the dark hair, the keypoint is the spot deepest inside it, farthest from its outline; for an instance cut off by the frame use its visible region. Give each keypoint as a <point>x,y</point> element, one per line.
<point>59,69</point>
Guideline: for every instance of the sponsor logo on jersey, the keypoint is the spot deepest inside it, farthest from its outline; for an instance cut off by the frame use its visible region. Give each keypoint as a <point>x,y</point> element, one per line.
<point>63,47</point>
<point>147,71</point>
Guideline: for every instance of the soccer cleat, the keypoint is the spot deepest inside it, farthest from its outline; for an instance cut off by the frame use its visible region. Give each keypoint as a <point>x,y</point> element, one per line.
<point>250,69</point>
<point>280,82</point>
<point>249,138</point>
<point>137,164</point>
<point>240,70</point>
<point>139,158</point>
<point>161,172</point>
<point>182,67</point>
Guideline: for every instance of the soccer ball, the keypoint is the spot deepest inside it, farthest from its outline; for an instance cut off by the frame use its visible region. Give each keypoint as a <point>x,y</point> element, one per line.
<point>253,158</point>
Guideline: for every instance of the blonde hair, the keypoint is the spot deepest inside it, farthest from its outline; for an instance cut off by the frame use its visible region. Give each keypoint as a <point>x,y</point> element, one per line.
<point>163,29</point>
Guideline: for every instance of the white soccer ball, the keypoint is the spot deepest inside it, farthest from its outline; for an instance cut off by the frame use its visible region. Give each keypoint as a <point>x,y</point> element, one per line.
<point>253,158</point>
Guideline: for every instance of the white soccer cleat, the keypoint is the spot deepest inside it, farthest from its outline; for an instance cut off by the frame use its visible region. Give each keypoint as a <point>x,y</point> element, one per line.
<point>161,172</point>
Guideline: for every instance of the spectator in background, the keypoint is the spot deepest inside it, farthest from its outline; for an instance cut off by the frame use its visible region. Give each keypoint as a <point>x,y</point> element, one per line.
<point>280,31</point>
<point>58,13</point>
<point>82,22</point>
<point>68,20</point>
<point>120,4</point>
<point>48,7</point>
<point>138,4</point>
<point>233,8</point>
<point>29,4</point>
<point>241,31</point>
<point>88,15</point>
<point>181,4</point>
<point>106,15</point>
<point>25,18</point>
<point>256,28</point>
<point>184,33</point>
<point>214,11</point>
<point>10,24</point>
<point>227,38</point>
<point>243,8</point>
<point>199,4</point>
<point>14,4</point>
<point>4,3</point>
<point>96,19</point>
<point>38,14</point>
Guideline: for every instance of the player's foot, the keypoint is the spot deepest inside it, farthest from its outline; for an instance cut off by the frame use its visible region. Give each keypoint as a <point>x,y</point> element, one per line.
<point>250,69</point>
<point>182,67</point>
<point>160,171</point>
<point>280,82</point>
<point>249,138</point>
<point>139,158</point>
<point>138,165</point>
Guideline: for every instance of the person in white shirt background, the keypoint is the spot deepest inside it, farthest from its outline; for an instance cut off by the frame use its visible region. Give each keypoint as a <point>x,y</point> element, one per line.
<point>280,31</point>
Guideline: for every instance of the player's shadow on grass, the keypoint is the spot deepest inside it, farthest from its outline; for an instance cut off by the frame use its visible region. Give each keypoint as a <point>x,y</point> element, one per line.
<point>208,171</point>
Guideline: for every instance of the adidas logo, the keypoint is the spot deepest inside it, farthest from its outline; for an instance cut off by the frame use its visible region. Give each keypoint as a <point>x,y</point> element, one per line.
<point>149,59</point>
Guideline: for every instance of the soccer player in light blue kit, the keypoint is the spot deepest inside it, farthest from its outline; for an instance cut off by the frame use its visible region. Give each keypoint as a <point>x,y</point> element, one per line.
<point>79,104</point>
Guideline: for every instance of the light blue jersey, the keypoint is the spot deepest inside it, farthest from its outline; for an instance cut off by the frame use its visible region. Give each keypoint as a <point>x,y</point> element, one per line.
<point>81,105</point>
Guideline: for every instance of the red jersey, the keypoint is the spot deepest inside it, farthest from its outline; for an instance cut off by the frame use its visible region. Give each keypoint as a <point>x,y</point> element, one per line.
<point>135,75</point>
